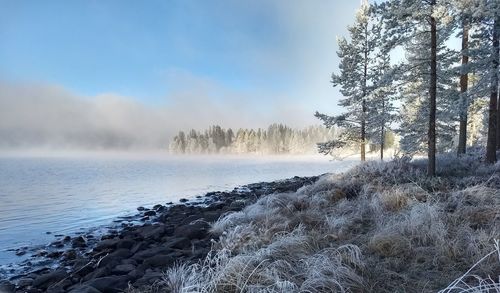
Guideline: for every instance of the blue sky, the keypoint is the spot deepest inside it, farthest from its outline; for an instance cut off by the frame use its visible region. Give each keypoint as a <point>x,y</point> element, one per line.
<point>259,57</point>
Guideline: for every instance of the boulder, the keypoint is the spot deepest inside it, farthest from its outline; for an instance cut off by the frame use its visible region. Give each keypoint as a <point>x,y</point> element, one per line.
<point>84,289</point>
<point>147,253</point>
<point>78,242</point>
<point>106,244</point>
<point>123,269</point>
<point>7,287</point>
<point>196,230</point>
<point>109,284</point>
<point>158,261</point>
<point>125,243</point>
<point>24,282</point>
<point>179,243</point>
<point>150,213</point>
<point>115,257</point>
<point>43,281</point>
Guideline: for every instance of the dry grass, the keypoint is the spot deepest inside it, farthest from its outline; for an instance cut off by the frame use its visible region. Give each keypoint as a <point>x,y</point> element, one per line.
<point>381,227</point>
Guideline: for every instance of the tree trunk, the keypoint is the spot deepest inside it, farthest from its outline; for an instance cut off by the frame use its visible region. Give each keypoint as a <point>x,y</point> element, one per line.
<point>363,132</point>
<point>365,81</point>
<point>491,144</point>
<point>382,144</point>
<point>431,154</point>
<point>382,133</point>
<point>464,80</point>
<point>495,65</point>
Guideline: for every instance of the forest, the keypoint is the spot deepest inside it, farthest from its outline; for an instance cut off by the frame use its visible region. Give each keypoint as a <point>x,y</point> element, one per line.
<point>276,139</point>
<point>400,69</point>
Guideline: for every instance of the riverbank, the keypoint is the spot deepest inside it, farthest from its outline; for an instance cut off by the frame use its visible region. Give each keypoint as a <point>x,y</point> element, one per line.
<point>380,227</point>
<point>140,248</point>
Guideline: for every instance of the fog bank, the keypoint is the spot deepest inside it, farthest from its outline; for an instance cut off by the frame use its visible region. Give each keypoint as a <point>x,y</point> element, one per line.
<point>37,116</point>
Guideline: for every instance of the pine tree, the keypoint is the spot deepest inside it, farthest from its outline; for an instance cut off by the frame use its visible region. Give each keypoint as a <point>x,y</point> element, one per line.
<point>381,110</point>
<point>355,79</point>
<point>463,10</point>
<point>485,63</point>
<point>425,20</point>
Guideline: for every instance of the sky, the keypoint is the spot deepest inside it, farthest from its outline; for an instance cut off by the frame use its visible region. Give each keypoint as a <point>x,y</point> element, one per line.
<point>106,73</point>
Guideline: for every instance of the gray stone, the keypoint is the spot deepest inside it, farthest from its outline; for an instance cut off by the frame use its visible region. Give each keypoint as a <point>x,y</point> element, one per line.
<point>109,284</point>
<point>24,282</point>
<point>7,287</point>
<point>158,261</point>
<point>84,289</point>
<point>44,280</point>
<point>123,269</point>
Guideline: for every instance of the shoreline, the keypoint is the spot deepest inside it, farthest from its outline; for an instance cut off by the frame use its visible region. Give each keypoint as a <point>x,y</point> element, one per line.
<point>139,248</point>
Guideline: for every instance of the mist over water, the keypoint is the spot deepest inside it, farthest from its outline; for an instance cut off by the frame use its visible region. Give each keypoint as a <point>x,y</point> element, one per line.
<point>64,193</point>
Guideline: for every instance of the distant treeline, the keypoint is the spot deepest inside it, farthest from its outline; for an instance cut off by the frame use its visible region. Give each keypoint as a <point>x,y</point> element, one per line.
<point>276,139</point>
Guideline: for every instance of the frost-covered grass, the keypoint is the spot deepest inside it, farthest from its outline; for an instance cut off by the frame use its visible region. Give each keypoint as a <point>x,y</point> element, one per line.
<point>381,227</point>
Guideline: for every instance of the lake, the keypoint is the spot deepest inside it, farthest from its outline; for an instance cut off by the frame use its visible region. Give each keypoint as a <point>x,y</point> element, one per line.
<point>41,196</point>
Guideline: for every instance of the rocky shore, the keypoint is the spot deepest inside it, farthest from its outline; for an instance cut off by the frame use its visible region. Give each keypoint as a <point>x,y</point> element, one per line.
<point>141,248</point>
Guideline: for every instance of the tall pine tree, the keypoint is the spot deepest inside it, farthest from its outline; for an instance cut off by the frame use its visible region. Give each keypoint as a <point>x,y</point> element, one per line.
<point>355,80</point>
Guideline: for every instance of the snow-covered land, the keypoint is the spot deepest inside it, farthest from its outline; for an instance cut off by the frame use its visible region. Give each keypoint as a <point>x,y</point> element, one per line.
<point>380,227</point>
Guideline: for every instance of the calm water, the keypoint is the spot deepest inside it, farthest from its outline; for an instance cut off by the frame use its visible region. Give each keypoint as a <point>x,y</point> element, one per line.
<point>64,195</point>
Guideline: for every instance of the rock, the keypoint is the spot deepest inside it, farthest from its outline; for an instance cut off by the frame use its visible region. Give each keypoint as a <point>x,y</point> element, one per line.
<point>84,289</point>
<point>216,206</point>
<point>183,200</point>
<point>43,281</point>
<point>24,282</point>
<point>41,253</point>
<point>115,257</point>
<point>7,287</point>
<point>123,269</point>
<point>54,254</point>
<point>106,244</point>
<point>83,270</point>
<point>109,284</point>
<point>148,278</point>
<point>158,207</point>
<point>211,216</point>
<point>57,244</point>
<point>69,255</point>
<point>67,239</point>
<point>190,219</point>
<point>237,205</point>
<point>104,237</point>
<point>139,246</point>
<point>20,252</point>
<point>140,209</point>
<point>97,273</point>
<point>136,274</point>
<point>153,232</point>
<point>78,242</point>
<point>125,243</point>
<point>59,288</point>
<point>179,243</point>
<point>150,213</point>
<point>197,230</point>
<point>158,261</point>
<point>129,261</point>
<point>147,253</point>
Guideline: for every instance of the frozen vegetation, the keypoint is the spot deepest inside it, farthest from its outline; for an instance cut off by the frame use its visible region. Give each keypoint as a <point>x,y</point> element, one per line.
<point>380,227</point>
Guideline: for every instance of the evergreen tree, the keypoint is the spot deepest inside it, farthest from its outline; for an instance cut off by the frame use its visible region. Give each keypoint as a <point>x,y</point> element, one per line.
<point>355,78</point>
<point>428,22</point>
